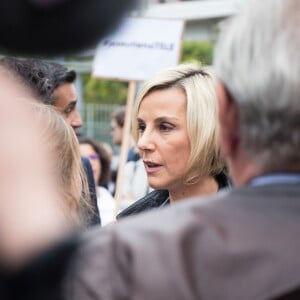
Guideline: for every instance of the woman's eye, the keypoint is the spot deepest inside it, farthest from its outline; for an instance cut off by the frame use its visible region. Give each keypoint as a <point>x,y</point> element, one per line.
<point>165,127</point>
<point>141,127</point>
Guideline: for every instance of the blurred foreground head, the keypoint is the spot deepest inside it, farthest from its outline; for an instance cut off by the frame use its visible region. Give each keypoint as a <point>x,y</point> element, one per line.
<point>258,67</point>
<point>52,27</point>
<point>40,185</point>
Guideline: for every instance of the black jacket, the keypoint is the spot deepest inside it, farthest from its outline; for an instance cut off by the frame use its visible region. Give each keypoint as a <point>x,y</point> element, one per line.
<point>160,198</point>
<point>42,277</point>
<point>95,218</point>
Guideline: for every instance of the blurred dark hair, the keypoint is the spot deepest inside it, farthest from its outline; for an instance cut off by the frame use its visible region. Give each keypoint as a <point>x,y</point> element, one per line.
<point>119,117</point>
<point>55,27</point>
<point>104,159</point>
<point>42,76</point>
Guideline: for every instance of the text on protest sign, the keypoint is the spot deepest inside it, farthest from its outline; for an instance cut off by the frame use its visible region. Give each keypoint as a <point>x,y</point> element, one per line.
<point>139,49</point>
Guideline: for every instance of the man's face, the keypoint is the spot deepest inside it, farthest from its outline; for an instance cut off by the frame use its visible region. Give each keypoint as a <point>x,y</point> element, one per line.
<point>65,101</point>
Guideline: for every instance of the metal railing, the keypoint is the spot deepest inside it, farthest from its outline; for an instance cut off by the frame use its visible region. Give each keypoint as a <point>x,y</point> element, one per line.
<point>97,118</point>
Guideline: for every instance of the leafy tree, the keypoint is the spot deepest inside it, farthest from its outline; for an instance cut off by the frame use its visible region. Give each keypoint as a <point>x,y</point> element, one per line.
<point>103,91</point>
<point>197,51</point>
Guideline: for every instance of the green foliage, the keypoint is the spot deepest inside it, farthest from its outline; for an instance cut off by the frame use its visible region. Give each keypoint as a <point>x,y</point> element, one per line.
<point>104,91</point>
<point>108,91</point>
<point>197,51</point>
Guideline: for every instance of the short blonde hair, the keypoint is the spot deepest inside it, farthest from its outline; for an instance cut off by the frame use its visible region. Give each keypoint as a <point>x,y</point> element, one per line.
<point>62,141</point>
<point>202,125</point>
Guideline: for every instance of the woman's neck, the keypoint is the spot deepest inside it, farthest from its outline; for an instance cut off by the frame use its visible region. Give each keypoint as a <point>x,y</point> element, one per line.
<point>204,187</point>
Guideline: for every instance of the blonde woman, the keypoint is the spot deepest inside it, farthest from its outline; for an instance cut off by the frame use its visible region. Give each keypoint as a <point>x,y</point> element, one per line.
<point>176,131</point>
<point>60,140</point>
<point>42,181</point>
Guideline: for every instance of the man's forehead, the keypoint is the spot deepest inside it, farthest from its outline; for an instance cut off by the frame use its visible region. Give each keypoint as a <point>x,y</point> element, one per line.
<point>66,90</point>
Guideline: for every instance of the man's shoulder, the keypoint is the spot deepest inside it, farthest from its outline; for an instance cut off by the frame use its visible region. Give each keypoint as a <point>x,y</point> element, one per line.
<point>167,222</point>
<point>232,202</point>
<point>223,209</point>
<point>209,238</point>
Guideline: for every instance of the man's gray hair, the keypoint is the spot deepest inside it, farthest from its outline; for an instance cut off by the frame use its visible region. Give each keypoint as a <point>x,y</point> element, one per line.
<point>257,58</point>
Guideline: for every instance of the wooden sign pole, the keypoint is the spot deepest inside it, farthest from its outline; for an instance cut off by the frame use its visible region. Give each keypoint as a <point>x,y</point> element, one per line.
<point>125,143</point>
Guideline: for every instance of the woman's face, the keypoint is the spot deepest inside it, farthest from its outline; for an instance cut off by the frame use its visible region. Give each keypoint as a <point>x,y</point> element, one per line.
<point>116,132</point>
<point>163,139</point>
<point>88,151</point>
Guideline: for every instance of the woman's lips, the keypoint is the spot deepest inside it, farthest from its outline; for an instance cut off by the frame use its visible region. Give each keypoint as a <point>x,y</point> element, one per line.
<point>152,167</point>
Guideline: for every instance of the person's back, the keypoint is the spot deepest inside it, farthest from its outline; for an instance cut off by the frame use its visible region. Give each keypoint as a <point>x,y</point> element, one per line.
<point>244,245</point>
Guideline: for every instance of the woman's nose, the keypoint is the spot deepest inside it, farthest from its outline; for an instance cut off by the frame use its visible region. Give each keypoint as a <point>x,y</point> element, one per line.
<point>146,141</point>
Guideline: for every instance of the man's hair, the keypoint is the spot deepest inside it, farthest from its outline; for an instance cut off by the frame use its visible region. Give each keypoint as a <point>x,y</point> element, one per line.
<point>42,76</point>
<point>201,109</point>
<point>257,59</point>
<point>119,117</point>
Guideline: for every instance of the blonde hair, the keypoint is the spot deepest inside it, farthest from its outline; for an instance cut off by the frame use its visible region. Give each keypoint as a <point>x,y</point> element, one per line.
<point>201,107</point>
<point>62,141</point>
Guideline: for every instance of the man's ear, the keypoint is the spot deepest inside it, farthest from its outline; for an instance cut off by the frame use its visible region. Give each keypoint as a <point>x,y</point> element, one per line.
<point>228,119</point>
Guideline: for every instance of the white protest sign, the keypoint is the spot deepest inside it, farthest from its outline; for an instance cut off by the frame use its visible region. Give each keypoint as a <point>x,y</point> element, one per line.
<point>140,48</point>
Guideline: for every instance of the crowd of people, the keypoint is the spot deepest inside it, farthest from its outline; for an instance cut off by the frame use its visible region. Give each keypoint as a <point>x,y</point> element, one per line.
<point>218,215</point>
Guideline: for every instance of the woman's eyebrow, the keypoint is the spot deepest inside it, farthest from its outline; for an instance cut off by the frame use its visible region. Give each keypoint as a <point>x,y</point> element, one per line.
<point>140,120</point>
<point>160,119</point>
<point>166,118</point>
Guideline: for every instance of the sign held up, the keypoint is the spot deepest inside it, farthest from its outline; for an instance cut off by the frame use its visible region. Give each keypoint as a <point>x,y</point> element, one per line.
<point>140,48</point>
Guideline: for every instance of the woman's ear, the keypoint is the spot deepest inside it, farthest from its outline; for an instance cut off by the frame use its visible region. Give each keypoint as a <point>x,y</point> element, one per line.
<point>228,120</point>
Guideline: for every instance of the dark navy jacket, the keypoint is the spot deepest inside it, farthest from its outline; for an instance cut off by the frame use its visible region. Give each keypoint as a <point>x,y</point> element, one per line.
<point>95,219</point>
<point>160,198</point>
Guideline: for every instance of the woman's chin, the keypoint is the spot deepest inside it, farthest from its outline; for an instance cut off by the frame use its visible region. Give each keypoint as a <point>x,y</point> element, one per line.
<point>157,186</point>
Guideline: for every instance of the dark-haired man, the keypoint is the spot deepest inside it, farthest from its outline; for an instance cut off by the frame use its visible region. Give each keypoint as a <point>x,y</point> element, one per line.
<point>66,101</point>
<point>64,95</point>
<point>54,84</point>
